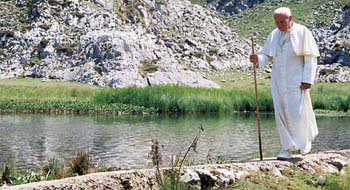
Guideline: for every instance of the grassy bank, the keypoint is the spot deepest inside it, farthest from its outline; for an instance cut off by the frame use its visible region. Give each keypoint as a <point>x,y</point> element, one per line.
<point>237,94</point>
<point>329,96</point>
<point>34,95</point>
<point>297,179</point>
<point>186,99</point>
<point>326,97</point>
<point>79,164</point>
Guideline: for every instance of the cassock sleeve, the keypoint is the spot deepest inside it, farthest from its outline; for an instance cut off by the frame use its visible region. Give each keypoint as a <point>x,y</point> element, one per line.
<point>309,72</point>
<point>263,60</point>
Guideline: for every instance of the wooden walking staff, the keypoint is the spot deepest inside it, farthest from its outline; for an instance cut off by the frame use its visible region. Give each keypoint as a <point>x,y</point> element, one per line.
<point>257,102</point>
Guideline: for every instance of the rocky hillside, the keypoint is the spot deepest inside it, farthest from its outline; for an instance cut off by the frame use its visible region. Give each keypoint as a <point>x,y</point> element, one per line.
<point>232,7</point>
<point>116,43</point>
<point>334,45</point>
<point>124,43</point>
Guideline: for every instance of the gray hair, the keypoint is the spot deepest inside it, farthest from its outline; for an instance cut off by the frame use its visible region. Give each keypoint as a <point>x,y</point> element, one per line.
<point>283,11</point>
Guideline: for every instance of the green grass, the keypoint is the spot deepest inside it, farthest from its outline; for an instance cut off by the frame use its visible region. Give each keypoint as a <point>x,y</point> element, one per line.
<point>200,2</point>
<point>259,18</point>
<point>233,80</point>
<point>237,94</point>
<point>79,164</point>
<point>330,96</point>
<point>295,180</point>
<point>33,90</point>
<point>326,97</point>
<point>169,182</point>
<point>185,99</point>
<point>33,95</point>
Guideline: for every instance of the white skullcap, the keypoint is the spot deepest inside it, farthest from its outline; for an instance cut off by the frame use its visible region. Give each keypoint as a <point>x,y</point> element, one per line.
<point>283,11</point>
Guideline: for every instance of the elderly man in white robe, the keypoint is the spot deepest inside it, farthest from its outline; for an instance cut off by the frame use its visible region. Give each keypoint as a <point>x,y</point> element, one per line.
<point>293,53</point>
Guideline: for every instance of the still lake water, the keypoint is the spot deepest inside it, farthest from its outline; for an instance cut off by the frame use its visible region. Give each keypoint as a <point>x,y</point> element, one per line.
<point>27,141</point>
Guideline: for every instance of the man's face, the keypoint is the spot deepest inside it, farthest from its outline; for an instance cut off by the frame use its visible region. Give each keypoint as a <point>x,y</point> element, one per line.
<point>283,22</point>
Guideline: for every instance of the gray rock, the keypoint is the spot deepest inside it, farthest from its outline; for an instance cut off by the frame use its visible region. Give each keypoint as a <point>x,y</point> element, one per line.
<point>185,41</point>
<point>339,164</point>
<point>180,78</point>
<point>190,177</point>
<point>106,4</point>
<point>334,45</point>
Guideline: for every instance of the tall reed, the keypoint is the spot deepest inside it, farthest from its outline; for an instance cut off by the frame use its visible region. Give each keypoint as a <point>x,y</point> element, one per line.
<point>172,98</point>
<point>169,179</point>
<point>24,95</point>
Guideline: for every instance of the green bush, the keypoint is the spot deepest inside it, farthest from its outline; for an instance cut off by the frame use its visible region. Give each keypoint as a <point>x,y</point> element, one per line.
<point>7,174</point>
<point>80,164</point>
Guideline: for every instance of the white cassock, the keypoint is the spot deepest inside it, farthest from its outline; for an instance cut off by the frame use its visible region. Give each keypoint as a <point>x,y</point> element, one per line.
<point>294,59</point>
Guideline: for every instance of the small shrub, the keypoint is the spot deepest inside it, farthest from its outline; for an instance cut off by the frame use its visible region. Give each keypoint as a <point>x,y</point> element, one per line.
<point>27,178</point>
<point>171,182</point>
<point>80,164</point>
<point>148,66</point>
<point>45,26</point>
<point>128,11</point>
<point>170,179</point>
<point>67,49</point>
<point>213,50</point>
<point>77,14</point>
<point>52,170</point>
<point>35,61</point>
<point>335,181</point>
<point>44,42</point>
<point>162,2</point>
<point>7,174</point>
<point>156,156</point>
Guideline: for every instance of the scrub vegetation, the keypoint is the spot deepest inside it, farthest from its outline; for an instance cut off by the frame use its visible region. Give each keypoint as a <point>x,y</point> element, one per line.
<point>170,179</point>
<point>9,11</point>
<point>200,2</point>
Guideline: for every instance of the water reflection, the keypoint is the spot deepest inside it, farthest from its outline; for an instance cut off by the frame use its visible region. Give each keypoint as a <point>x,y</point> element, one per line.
<point>28,140</point>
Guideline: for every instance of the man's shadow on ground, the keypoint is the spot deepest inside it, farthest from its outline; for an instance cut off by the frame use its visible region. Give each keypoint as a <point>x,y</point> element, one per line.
<point>292,160</point>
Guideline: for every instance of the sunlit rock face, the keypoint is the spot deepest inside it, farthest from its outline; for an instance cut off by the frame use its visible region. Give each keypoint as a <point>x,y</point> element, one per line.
<point>140,43</point>
<point>117,43</point>
<point>334,45</point>
<point>232,7</point>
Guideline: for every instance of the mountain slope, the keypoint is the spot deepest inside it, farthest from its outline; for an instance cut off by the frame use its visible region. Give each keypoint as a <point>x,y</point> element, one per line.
<point>150,42</point>
<point>117,44</point>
